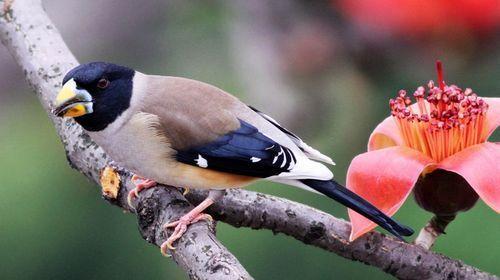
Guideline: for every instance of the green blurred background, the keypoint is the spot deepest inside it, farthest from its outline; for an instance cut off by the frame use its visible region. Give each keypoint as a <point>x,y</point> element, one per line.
<point>325,69</point>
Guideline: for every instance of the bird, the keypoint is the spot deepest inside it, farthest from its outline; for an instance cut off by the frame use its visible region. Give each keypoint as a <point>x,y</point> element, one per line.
<point>182,132</point>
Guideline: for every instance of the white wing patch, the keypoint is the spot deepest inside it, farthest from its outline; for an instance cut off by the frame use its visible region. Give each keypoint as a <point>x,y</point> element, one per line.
<point>284,159</point>
<point>255,159</point>
<point>202,162</point>
<point>305,168</point>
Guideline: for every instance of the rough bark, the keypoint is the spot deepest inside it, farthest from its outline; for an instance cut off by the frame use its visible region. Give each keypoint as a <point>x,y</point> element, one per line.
<point>242,208</point>
<point>39,49</point>
<point>44,57</point>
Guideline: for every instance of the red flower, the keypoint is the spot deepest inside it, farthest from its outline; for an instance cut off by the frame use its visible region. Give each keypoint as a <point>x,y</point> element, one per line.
<point>417,17</point>
<point>447,129</point>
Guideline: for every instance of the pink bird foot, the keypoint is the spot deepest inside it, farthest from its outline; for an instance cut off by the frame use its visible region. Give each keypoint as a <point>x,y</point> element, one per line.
<point>140,185</point>
<point>191,217</point>
<point>180,228</point>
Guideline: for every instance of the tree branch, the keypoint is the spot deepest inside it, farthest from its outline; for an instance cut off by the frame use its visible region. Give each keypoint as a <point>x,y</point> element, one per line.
<point>39,49</point>
<point>242,208</point>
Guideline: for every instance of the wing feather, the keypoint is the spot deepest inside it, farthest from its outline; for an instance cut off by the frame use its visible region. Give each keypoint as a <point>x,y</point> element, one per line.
<point>309,151</point>
<point>244,151</point>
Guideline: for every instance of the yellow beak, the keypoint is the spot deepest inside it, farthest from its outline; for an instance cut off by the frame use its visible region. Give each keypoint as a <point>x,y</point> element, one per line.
<point>72,102</point>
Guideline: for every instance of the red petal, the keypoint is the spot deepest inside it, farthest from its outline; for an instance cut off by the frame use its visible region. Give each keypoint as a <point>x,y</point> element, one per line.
<point>385,178</point>
<point>386,134</point>
<point>480,166</point>
<point>493,114</point>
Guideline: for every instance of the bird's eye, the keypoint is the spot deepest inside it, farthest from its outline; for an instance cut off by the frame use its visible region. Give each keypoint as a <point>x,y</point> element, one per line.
<point>103,83</point>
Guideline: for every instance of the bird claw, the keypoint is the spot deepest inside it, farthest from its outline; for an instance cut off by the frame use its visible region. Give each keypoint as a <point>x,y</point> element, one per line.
<point>203,216</point>
<point>140,184</point>
<point>165,246</point>
<point>132,195</point>
<point>135,178</point>
<point>186,191</point>
<point>180,228</point>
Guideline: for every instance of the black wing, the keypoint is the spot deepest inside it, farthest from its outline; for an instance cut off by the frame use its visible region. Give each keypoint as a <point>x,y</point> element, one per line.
<point>244,151</point>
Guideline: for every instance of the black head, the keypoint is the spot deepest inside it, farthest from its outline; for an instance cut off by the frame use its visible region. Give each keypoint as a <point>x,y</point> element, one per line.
<point>95,94</point>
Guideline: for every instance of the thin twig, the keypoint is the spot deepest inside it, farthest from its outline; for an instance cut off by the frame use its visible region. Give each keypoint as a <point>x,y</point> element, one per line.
<point>432,230</point>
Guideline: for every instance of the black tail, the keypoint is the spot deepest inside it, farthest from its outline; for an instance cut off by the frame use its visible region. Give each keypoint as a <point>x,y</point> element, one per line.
<point>349,199</point>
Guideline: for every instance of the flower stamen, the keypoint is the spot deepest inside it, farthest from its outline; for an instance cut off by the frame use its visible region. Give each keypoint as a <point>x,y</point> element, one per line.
<point>443,121</point>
